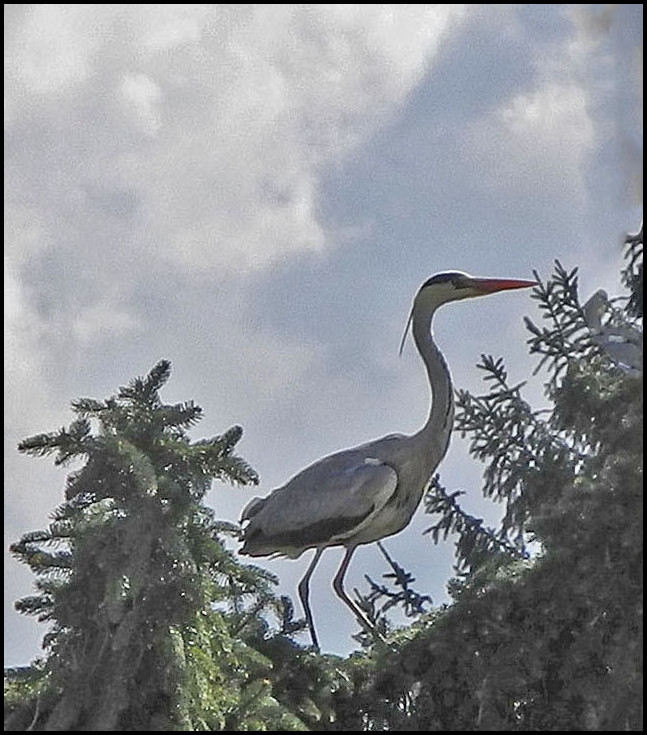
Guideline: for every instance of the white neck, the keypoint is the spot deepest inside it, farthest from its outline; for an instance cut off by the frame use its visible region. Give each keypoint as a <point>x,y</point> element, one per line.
<point>436,431</point>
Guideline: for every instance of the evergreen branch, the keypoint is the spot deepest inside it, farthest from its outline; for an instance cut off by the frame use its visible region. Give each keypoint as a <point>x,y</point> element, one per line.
<point>69,443</point>
<point>567,338</point>
<point>41,605</point>
<point>157,377</point>
<point>41,562</point>
<point>88,407</point>
<point>144,391</point>
<point>513,441</point>
<point>180,415</point>
<point>412,602</point>
<point>476,542</point>
<point>632,273</point>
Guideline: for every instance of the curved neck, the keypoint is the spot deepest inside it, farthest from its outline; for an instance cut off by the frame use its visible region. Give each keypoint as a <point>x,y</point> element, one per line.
<point>441,413</point>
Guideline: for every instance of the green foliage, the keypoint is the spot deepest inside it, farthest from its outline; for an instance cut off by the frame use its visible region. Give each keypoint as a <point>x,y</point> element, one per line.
<point>380,599</point>
<point>551,641</point>
<point>135,579</point>
<point>632,273</point>
<point>476,544</point>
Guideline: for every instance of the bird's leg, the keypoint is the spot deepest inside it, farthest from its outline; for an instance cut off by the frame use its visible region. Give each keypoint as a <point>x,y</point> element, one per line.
<point>304,593</point>
<point>338,585</point>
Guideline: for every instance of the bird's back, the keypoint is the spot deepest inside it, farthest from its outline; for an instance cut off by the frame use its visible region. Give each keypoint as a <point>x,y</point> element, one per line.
<point>360,494</point>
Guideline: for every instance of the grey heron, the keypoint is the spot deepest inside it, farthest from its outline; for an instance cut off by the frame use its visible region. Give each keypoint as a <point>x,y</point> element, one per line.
<point>361,495</point>
<point>622,343</point>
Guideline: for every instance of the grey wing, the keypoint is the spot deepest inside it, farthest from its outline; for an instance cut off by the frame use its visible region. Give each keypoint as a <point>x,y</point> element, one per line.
<point>322,505</point>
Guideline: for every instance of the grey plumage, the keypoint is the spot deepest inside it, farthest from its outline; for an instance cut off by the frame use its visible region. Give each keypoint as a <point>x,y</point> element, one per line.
<point>622,343</point>
<point>364,494</point>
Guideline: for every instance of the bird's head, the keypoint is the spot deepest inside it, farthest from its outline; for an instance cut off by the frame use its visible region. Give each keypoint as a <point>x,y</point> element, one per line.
<point>455,286</point>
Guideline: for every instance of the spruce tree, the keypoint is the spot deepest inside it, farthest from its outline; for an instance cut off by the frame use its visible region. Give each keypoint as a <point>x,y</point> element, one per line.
<point>141,594</point>
<point>545,628</point>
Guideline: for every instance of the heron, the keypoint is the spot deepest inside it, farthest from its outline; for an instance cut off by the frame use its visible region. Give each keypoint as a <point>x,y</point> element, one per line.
<point>366,493</point>
<point>623,343</point>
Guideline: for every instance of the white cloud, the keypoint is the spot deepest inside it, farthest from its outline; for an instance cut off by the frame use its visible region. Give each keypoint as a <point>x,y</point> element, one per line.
<point>21,328</point>
<point>189,136</point>
<point>549,129</point>
<point>142,97</point>
<point>248,105</point>
<point>192,136</point>
<point>552,113</point>
<point>103,321</point>
<point>25,366</point>
<point>538,143</point>
<point>607,48</point>
<point>51,48</point>
<point>165,26</point>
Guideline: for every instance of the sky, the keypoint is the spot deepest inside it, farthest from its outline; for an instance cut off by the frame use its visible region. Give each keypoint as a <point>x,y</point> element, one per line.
<point>256,192</point>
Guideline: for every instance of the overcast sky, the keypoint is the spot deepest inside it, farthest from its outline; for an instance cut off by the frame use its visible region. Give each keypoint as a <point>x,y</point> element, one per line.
<point>255,192</point>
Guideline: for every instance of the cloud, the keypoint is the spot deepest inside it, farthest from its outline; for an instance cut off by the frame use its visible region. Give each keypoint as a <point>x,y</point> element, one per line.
<point>151,149</point>
<point>607,46</point>
<point>24,361</point>
<point>103,321</point>
<point>158,153</point>
<point>21,337</point>
<point>538,141</point>
<point>246,107</point>
<point>50,46</point>
<point>546,131</point>
<point>142,96</point>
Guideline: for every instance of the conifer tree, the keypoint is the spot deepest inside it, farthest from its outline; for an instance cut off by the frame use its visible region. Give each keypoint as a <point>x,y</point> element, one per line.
<point>550,640</point>
<point>136,582</point>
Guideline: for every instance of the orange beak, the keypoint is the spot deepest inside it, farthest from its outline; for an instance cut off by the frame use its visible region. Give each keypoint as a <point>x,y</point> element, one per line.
<point>492,285</point>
